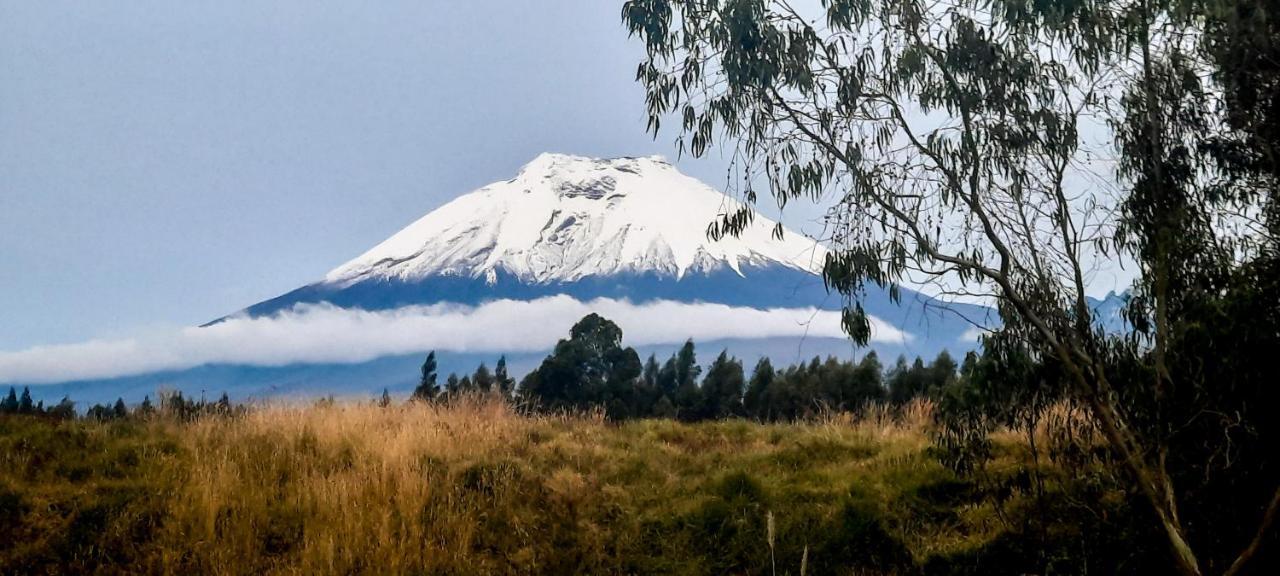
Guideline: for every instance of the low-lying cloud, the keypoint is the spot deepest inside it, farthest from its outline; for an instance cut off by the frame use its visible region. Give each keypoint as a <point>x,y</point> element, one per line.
<point>328,334</point>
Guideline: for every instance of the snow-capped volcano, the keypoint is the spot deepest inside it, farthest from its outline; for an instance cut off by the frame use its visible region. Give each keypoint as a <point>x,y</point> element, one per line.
<point>565,218</point>
<point>629,229</point>
<point>621,228</point>
<point>508,268</point>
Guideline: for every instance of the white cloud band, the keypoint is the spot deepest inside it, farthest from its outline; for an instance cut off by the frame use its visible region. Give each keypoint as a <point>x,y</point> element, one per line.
<point>328,334</point>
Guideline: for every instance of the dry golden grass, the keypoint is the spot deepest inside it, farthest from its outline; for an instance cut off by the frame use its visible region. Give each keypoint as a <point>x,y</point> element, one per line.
<point>476,488</point>
<point>331,489</point>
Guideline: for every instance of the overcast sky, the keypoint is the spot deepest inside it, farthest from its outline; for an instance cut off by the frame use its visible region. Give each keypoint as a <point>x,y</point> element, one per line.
<point>165,163</point>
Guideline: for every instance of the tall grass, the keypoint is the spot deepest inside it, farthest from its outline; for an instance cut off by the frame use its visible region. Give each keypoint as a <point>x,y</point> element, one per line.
<point>474,487</point>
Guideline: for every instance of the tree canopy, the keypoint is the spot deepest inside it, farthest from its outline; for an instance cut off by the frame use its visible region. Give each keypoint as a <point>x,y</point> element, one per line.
<point>951,141</point>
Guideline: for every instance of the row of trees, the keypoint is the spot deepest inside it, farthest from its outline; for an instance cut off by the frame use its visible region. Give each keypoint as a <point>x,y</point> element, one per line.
<point>174,404</point>
<point>592,369</point>
<point>15,404</point>
<point>482,381</point>
<point>571,378</point>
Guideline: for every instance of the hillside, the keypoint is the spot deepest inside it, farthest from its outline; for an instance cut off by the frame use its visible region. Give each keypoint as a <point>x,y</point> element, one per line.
<point>474,487</point>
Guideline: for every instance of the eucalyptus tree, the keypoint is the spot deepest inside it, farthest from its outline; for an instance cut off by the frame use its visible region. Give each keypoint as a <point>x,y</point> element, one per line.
<point>427,388</point>
<point>952,141</point>
<point>1198,215</point>
<point>590,368</point>
<point>723,388</point>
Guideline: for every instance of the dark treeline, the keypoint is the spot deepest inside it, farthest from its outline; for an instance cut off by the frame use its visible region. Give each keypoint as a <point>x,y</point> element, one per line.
<point>582,375</point>
<point>482,381</point>
<point>591,369</point>
<point>173,404</point>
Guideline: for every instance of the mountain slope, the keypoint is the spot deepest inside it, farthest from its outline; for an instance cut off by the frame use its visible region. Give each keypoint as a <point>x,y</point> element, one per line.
<point>565,218</point>
<point>627,228</point>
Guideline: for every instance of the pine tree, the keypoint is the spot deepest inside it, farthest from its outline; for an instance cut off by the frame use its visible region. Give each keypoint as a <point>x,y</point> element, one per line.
<point>914,383</point>
<point>385,400</point>
<point>687,369</point>
<point>177,406</point>
<point>941,373</point>
<point>970,365</point>
<point>452,386</point>
<point>119,410</point>
<point>649,391</point>
<point>223,406</point>
<point>25,405</point>
<point>10,403</point>
<point>868,379</point>
<point>504,382</point>
<point>664,408</point>
<point>668,381</point>
<point>722,389</point>
<point>98,412</point>
<point>482,381</point>
<point>623,396</point>
<point>907,382</point>
<point>650,374</point>
<point>427,388</point>
<point>761,378</point>
<point>146,408</point>
<point>688,398</point>
<point>64,410</point>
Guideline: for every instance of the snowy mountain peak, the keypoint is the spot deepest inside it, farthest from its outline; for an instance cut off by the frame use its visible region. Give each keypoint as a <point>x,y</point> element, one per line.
<point>551,164</point>
<point>564,218</point>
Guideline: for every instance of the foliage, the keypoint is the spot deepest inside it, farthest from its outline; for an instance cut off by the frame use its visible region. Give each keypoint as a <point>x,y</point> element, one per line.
<point>427,388</point>
<point>950,134</point>
<point>806,389</point>
<point>503,383</point>
<point>589,368</point>
<point>456,487</point>
<point>582,376</point>
<point>723,388</point>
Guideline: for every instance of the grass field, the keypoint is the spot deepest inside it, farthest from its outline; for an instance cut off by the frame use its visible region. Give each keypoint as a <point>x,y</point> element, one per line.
<point>475,488</point>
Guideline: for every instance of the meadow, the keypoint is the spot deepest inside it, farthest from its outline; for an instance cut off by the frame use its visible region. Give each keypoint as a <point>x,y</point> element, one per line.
<point>476,487</point>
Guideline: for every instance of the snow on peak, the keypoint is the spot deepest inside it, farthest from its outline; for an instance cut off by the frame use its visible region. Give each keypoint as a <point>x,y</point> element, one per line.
<point>564,218</point>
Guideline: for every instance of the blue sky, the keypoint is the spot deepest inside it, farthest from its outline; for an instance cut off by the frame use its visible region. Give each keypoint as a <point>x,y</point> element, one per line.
<point>163,164</point>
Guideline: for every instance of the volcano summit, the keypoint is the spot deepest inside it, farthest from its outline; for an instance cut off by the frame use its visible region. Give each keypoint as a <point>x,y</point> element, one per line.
<point>632,228</point>
<point>507,269</point>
